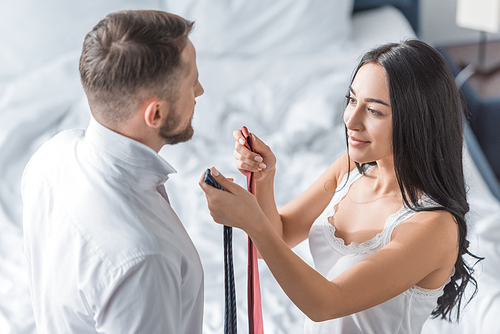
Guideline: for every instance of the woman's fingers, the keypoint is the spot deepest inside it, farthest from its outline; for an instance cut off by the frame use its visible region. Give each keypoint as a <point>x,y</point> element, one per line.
<point>248,161</point>
<point>246,153</point>
<point>246,158</point>
<point>237,134</point>
<point>262,161</point>
<point>231,207</point>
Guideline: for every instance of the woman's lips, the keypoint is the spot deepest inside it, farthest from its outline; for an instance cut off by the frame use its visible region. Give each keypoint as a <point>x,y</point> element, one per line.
<point>357,142</point>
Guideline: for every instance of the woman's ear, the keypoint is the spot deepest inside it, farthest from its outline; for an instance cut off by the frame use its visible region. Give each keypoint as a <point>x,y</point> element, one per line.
<point>156,112</point>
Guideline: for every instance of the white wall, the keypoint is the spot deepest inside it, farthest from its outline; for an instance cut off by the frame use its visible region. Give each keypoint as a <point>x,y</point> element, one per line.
<point>438,27</point>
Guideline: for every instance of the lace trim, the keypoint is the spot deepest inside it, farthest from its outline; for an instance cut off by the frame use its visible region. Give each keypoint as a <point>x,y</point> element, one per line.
<point>329,229</point>
<point>354,247</point>
<point>424,201</point>
<point>420,292</point>
<point>383,237</point>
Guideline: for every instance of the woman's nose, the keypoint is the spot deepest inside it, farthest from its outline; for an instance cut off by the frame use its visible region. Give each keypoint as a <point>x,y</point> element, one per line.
<point>353,118</point>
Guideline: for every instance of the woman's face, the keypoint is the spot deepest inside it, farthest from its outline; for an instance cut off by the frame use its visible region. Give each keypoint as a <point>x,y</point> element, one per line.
<point>368,116</point>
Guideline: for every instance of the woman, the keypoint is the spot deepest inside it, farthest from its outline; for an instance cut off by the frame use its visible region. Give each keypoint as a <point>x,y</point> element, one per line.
<point>389,242</point>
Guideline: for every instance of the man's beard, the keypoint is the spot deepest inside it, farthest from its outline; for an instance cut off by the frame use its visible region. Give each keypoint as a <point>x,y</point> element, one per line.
<point>171,123</point>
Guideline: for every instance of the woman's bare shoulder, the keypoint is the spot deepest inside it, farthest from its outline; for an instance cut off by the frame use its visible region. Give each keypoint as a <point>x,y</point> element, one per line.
<point>438,229</point>
<point>438,221</point>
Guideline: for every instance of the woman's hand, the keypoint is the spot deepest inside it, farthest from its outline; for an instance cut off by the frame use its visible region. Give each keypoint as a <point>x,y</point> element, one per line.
<point>234,206</point>
<point>262,162</point>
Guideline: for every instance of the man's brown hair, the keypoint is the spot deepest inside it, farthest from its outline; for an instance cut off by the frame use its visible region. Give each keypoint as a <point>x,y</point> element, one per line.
<point>130,56</point>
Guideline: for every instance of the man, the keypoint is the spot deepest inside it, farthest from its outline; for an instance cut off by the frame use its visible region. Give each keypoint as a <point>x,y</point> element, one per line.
<point>106,253</point>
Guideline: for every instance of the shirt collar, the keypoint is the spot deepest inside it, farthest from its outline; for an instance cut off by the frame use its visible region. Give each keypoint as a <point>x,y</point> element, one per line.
<point>151,169</point>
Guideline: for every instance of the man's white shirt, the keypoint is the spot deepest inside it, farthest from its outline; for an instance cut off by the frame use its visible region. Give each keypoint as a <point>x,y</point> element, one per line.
<point>105,251</point>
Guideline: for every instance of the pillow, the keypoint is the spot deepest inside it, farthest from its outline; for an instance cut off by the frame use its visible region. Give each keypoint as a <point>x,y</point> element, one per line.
<point>263,27</point>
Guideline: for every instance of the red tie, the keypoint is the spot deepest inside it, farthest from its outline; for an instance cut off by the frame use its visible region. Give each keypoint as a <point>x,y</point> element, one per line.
<point>255,323</point>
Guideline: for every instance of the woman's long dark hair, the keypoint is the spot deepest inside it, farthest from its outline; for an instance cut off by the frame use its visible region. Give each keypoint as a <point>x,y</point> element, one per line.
<point>427,127</point>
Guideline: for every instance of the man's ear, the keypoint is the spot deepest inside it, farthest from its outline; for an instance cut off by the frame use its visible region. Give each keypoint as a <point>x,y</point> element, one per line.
<point>155,112</point>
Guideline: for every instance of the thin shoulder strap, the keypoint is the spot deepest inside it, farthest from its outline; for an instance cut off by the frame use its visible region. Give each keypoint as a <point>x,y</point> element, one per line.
<point>403,214</point>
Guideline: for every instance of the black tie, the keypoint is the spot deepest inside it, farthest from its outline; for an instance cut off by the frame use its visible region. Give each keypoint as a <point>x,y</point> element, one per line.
<point>230,316</point>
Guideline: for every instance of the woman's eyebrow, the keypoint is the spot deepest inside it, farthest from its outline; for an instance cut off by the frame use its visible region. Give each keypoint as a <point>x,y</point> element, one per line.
<point>371,99</point>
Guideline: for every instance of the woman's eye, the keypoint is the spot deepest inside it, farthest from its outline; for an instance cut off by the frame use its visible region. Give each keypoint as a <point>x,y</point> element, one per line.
<point>350,100</point>
<point>374,112</point>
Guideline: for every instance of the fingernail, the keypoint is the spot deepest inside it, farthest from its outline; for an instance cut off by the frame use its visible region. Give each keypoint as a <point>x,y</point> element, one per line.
<point>241,141</point>
<point>263,166</point>
<point>258,158</point>
<point>215,172</point>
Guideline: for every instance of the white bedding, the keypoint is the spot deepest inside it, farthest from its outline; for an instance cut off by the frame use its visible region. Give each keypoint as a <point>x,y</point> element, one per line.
<point>291,97</point>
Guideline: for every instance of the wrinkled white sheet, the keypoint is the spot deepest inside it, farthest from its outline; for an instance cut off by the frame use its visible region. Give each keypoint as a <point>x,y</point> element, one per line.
<point>293,104</point>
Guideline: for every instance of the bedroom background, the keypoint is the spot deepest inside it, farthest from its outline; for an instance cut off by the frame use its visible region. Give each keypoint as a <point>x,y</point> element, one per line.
<point>281,68</point>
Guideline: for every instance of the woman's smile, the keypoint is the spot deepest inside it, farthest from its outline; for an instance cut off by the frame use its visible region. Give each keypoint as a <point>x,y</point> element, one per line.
<point>353,141</point>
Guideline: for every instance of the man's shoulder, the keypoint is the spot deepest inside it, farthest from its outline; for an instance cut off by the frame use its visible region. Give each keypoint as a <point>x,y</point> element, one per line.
<point>50,155</point>
<point>66,138</point>
<point>57,145</point>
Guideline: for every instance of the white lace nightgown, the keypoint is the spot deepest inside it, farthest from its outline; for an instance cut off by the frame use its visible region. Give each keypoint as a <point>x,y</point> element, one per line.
<point>405,313</point>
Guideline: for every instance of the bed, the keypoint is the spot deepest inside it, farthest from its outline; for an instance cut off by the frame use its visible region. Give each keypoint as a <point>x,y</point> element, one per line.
<point>281,68</point>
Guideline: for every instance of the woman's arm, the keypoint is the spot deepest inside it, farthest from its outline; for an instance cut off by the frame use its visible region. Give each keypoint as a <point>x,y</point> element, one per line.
<point>423,247</point>
<point>300,213</point>
<point>292,222</point>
